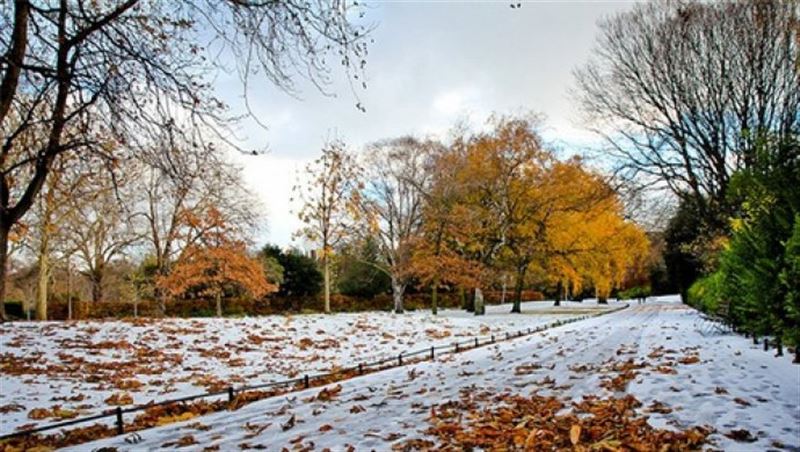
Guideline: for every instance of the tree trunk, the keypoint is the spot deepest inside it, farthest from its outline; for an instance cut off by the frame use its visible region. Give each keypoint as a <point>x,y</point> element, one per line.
<point>517,308</point>
<point>480,307</point>
<point>558,294</point>
<point>97,286</point>
<point>69,289</point>
<point>503,293</point>
<point>3,268</point>
<point>467,301</point>
<point>397,294</point>
<point>327,276</point>
<point>44,276</point>
<point>602,299</point>
<point>435,297</point>
<point>218,299</point>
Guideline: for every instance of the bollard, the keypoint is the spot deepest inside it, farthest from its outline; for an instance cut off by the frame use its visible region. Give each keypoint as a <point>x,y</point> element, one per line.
<point>456,347</point>
<point>779,345</point>
<point>400,359</point>
<point>507,336</point>
<point>476,342</point>
<point>120,425</point>
<point>230,393</point>
<point>360,369</point>
<point>305,380</point>
<point>766,344</point>
<point>492,338</point>
<point>432,353</point>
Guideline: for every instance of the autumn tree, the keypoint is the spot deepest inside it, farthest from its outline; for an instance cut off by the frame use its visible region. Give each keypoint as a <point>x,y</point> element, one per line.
<point>391,202</point>
<point>216,264</point>
<point>122,71</point>
<point>178,184</point>
<point>437,258</point>
<point>327,202</point>
<point>496,176</point>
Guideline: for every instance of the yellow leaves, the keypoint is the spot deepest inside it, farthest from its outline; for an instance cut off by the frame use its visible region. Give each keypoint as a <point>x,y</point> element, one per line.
<point>575,434</point>
<point>55,412</point>
<point>39,413</point>
<point>164,420</point>
<point>120,398</point>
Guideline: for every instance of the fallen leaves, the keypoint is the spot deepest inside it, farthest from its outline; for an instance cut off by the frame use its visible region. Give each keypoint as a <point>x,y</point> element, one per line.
<point>54,412</point>
<point>741,435</point>
<point>120,398</point>
<point>542,423</point>
<point>690,359</point>
<point>575,434</point>
<point>329,393</point>
<point>183,441</point>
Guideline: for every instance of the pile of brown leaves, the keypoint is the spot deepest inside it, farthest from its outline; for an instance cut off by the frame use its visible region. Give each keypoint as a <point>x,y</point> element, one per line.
<point>533,423</point>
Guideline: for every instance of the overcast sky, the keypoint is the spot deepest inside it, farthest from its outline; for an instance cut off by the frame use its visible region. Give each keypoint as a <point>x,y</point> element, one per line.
<point>431,65</point>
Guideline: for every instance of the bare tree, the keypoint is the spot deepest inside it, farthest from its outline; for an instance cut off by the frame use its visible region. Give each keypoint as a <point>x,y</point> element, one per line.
<point>103,228</point>
<point>681,91</point>
<point>54,208</point>
<point>391,203</point>
<point>326,198</point>
<point>122,70</point>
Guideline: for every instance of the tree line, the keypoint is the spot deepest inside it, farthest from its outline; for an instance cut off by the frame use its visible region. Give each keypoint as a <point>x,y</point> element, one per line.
<point>489,209</point>
<point>702,100</point>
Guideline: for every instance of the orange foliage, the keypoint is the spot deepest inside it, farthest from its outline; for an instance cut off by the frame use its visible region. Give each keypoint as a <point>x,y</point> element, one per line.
<point>220,260</point>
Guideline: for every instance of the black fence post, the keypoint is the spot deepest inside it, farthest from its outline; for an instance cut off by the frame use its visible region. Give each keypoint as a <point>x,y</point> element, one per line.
<point>755,338</point>
<point>305,380</point>
<point>400,359</point>
<point>120,425</point>
<point>492,338</point>
<point>507,336</point>
<point>766,344</point>
<point>360,369</point>
<point>456,347</point>
<point>432,353</point>
<point>779,346</point>
<point>230,393</point>
<point>476,342</point>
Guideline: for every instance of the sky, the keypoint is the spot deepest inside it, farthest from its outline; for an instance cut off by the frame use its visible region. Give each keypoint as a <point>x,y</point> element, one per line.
<point>431,65</point>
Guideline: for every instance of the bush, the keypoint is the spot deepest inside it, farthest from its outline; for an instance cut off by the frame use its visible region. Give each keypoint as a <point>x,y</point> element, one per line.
<point>706,292</point>
<point>635,292</point>
<point>300,276</point>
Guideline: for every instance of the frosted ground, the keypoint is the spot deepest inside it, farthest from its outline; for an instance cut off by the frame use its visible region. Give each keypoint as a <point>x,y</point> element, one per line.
<point>64,369</point>
<point>704,376</point>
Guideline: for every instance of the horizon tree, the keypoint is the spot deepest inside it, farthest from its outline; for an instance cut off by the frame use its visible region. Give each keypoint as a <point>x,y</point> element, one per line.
<point>122,71</point>
<point>327,198</point>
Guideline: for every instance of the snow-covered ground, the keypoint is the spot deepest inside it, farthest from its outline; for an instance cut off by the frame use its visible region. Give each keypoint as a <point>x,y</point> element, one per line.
<point>684,371</point>
<point>62,370</point>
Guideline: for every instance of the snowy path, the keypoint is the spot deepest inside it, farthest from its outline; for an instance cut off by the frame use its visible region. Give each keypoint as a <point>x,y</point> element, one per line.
<point>65,369</point>
<point>704,377</point>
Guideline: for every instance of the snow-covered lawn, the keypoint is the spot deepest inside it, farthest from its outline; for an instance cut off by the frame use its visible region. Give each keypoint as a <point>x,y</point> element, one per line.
<point>53,371</point>
<point>684,371</point>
